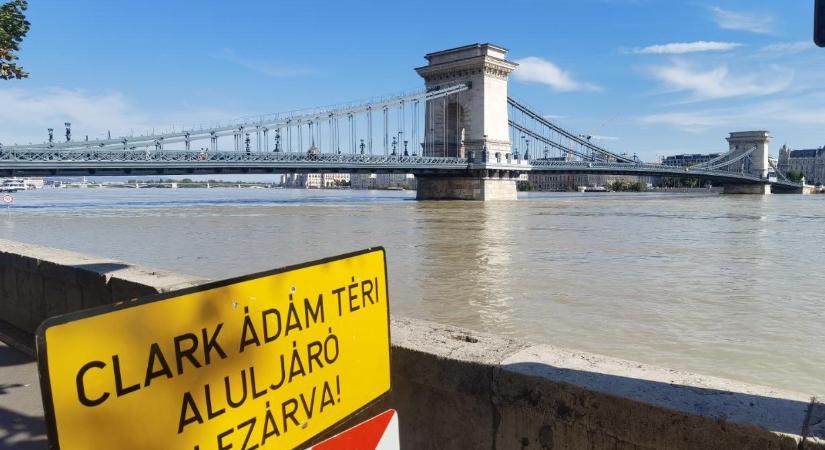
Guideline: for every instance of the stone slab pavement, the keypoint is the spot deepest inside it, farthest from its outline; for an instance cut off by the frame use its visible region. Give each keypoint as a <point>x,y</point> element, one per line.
<point>21,409</point>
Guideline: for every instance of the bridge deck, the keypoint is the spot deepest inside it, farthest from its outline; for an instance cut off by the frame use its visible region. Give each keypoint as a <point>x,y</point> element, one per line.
<point>167,162</point>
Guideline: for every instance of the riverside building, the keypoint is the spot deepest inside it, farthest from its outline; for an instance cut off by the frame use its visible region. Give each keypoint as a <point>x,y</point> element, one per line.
<point>686,160</point>
<point>809,162</point>
<point>383,181</point>
<point>315,180</point>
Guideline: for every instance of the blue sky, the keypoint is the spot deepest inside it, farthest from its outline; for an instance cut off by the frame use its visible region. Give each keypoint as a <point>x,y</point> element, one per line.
<point>646,76</point>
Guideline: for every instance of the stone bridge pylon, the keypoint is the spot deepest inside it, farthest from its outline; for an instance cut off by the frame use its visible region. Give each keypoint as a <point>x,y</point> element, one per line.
<point>758,164</point>
<point>472,124</point>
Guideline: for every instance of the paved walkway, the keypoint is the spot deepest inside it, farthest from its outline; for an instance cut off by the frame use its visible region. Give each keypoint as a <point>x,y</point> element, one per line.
<point>21,411</point>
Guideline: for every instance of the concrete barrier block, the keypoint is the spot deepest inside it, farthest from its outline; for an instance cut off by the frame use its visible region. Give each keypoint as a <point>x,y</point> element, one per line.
<point>74,298</point>
<point>55,300</point>
<point>9,281</point>
<point>20,283</point>
<point>95,293</point>
<point>58,272</point>
<point>647,405</point>
<point>4,286</point>
<point>19,261</point>
<point>126,290</point>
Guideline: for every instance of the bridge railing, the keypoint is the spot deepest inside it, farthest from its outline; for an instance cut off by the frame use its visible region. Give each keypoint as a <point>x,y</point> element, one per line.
<point>164,156</point>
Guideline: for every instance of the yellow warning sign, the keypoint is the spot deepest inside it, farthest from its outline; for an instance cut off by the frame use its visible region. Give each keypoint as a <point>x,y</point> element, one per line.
<point>265,361</point>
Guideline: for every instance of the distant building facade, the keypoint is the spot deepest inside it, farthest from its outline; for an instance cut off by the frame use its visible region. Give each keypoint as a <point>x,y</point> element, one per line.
<point>809,162</point>
<point>316,180</point>
<point>685,160</point>
<point>383,181</point>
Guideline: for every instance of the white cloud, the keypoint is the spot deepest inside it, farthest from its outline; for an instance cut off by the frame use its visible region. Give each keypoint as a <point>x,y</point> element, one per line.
<point>537,70</point>
<point>788,48</point>
<point>678,48</point>
<point>719,82</point>
<point>799,111</point>
<point>604,138</point>
<point>26,113</point>
<point>743,21</point>
<point>690,121</point>
<point>267,68</point>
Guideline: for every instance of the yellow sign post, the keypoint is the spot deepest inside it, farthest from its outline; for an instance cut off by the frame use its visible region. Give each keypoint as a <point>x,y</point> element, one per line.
<point>265,361</point>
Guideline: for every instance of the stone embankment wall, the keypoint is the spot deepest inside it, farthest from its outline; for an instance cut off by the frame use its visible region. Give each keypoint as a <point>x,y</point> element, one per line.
<point>457,389</point>
<point>39,282</point>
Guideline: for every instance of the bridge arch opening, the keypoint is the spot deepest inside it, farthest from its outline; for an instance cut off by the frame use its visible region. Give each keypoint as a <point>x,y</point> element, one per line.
<point>456,129</point>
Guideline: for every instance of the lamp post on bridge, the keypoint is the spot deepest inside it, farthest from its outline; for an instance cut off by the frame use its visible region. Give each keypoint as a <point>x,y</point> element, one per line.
<point>51,136</point>
<point>68,126</point>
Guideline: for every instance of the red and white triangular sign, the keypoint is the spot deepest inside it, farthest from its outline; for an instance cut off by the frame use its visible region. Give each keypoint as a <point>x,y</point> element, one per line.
<point>378,433</point>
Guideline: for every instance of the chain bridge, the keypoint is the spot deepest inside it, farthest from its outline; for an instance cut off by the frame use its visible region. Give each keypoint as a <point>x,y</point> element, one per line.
<point>462,136</point>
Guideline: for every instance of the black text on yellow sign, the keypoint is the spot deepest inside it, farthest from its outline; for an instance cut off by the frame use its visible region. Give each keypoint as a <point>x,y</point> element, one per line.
<point>261,362</point>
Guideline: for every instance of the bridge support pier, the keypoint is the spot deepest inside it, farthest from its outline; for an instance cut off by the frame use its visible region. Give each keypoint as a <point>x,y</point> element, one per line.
<point>758,189</point>
<point>480,188</point>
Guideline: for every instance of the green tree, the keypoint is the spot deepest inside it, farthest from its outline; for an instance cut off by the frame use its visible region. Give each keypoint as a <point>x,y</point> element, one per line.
<point>13,27</point>
<point>794,175</point>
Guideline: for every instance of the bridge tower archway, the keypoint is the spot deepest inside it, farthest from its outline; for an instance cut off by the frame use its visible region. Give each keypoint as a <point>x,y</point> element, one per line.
<point>743,141</point>
<point>758,164</point>
<point>475,119</point>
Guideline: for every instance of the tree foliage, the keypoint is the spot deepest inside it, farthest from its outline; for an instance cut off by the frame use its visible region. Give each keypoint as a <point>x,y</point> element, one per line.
<point>13,28</point>
<point>627,186</point>
<point>794,175</point>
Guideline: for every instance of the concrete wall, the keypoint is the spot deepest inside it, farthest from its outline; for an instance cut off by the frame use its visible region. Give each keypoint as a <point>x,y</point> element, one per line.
<point>759,189</point>
<point>465,188</point>
<point>457,389</point>
<point>38,282</point>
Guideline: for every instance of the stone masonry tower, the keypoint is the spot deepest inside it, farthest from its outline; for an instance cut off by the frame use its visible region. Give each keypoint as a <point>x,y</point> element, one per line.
<point>469,120</point>
<point>472,124</point>
<point>758,165</point>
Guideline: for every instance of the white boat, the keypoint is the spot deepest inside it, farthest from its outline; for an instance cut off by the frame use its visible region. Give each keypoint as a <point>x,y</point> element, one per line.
<point>12,185</point>
<point>592,189</point>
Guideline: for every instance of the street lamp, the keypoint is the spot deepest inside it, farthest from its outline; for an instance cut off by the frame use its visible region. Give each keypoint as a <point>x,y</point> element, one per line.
<point>68,126</point>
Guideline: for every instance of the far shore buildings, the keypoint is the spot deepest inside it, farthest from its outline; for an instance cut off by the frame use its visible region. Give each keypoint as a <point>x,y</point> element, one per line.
<point>384,181</point>
<point>354,180</point>
<point>407,181</point>
<point>809,162</point>
<point>315,180</point>
<point>686,160</point>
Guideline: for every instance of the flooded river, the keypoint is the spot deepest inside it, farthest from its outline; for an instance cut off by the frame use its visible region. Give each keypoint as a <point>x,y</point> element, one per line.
<point>723,285</point>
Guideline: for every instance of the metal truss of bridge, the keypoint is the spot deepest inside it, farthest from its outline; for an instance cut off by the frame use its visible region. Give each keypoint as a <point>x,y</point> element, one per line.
<point>462,136</point>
